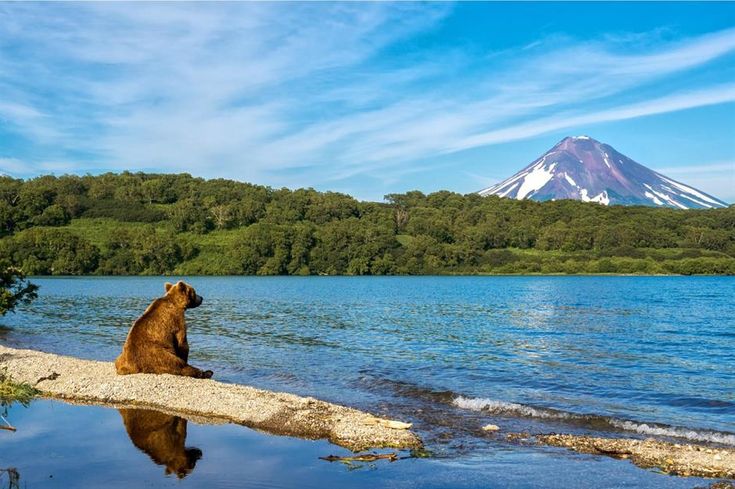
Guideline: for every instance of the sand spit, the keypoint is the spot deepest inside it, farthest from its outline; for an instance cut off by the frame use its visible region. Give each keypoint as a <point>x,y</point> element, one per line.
<point>671,458</point>
<point>93,382</point>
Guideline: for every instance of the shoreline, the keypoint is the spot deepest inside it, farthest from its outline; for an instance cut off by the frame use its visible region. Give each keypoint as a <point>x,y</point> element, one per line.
<point>93,382</point>
<point>677,459</point>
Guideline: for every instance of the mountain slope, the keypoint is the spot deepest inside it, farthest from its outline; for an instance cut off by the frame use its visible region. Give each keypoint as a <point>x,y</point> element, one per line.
<point>582,168</point>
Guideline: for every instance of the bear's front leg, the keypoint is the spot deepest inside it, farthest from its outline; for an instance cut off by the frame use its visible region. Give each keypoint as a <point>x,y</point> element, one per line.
<point>182,346</point>
<point>190,371</point>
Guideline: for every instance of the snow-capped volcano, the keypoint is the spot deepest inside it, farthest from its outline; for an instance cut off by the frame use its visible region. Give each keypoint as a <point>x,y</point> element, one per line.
<point>582,168</point>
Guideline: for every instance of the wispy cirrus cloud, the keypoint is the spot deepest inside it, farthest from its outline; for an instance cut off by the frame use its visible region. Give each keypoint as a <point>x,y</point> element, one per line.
<point>660,105</point>
<point>307,94</point>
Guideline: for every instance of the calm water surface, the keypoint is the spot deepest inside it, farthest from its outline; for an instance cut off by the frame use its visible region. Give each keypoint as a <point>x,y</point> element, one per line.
<point>62,446</point>
<point>629,356</point>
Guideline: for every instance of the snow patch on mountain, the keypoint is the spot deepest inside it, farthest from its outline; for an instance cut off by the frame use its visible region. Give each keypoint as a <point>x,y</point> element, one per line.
<point>655,199</point>
<point>601,198</point>
<point>690,190</point>
<point>535,180</point>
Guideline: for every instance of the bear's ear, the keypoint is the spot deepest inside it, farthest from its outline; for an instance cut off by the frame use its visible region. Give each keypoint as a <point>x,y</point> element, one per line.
<point>167,286</point>
<point>181,285</point>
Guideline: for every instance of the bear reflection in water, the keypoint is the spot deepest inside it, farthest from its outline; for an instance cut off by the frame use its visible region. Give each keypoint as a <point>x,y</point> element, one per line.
<point>162,437</point>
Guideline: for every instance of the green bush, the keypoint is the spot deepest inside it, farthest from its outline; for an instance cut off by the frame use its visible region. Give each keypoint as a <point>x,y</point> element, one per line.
<point>14,288</point>
<point>122,211</point>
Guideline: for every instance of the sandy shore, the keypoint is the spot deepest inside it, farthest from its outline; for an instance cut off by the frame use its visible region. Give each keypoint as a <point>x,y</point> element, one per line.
<point>671,458</point>
<point>77,380</point>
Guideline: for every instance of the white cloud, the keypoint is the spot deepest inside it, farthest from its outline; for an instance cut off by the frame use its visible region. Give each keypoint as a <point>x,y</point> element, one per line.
<point>12,166</point>
<point>302,94</point>
<point>727,167</point>
<point>18,168</point>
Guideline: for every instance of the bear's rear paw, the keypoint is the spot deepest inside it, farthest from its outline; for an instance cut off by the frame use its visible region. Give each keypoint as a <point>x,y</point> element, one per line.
<point>207,374</point>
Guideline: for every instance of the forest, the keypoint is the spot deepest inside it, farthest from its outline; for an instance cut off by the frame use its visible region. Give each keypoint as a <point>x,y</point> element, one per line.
<point>138,223</point>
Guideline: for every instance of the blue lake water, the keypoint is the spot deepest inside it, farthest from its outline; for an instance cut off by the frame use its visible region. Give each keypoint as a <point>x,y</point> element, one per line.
<point>632,356</point>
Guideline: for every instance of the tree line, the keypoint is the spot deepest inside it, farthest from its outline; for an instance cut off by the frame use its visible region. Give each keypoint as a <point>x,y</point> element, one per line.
<point>138,223</point>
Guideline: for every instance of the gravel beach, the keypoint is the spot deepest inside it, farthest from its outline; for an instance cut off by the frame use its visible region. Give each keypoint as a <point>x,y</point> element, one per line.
<point>672,458</point>
<point>94,382</point>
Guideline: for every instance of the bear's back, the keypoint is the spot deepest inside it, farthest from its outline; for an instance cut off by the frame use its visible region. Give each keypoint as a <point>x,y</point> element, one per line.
<point>161,314</point>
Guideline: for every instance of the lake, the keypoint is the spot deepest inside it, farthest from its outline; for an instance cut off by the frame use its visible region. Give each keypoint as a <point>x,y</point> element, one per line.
<point>616,356</point>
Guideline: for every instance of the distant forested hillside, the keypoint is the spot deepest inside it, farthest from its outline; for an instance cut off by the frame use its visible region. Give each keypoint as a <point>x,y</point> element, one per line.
<point>135,223</point>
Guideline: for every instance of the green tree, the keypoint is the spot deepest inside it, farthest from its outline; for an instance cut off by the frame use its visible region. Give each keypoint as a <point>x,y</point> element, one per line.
<point>14,288</point>
<point>190,214</point>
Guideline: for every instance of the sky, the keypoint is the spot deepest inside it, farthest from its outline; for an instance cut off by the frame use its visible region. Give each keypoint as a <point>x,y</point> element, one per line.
<point>365,98</point>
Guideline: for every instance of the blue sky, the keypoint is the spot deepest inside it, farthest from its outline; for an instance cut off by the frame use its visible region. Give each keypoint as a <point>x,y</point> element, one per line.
<point>365,98</point>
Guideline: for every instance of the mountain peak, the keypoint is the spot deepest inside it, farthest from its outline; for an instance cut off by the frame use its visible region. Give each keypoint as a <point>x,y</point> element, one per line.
<point>583,141</point>
<point>582,168</point>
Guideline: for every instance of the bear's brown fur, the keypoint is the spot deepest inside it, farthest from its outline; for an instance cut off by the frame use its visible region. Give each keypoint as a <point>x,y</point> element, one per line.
<point>163,438</point>
<point>156,344</point>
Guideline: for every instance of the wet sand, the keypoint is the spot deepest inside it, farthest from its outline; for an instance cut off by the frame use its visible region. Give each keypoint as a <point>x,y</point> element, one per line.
<point>94,382</point>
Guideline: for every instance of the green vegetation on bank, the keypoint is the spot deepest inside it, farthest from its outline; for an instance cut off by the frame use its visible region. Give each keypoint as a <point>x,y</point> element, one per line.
<point>119,224</point>
<point>12,391</point>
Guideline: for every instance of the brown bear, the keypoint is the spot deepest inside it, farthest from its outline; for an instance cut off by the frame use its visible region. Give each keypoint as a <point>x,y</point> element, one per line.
<point>163,438</point>
<point>156,344</point>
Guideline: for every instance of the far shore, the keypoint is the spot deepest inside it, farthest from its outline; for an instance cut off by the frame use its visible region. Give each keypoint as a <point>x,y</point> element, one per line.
<point>478,274</point>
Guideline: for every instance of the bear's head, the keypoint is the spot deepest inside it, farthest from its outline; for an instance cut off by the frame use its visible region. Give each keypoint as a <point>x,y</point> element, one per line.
<point>184,294</point>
